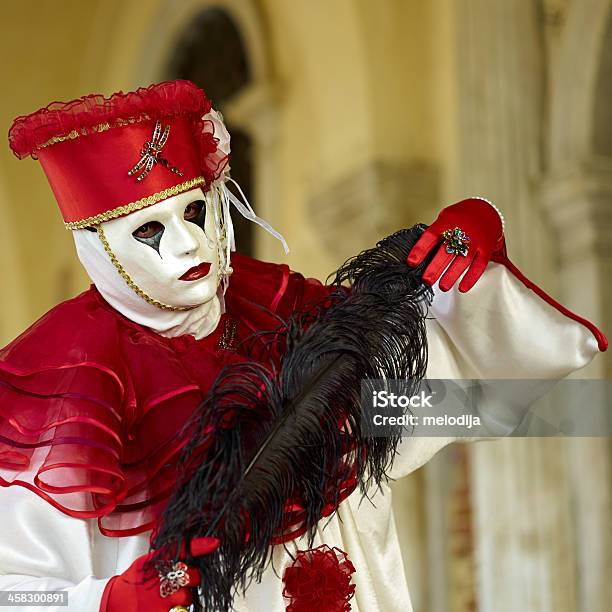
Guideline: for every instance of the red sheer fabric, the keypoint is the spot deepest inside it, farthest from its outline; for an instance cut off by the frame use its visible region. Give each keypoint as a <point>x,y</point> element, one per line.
<point>92,405</point>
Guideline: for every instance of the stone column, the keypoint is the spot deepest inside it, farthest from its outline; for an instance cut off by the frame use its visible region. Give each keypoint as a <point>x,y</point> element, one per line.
<point>450,560</point>
<point>523,528</point>
<point>500,76</point>
<point>578,198</point>
<point>410,511</point>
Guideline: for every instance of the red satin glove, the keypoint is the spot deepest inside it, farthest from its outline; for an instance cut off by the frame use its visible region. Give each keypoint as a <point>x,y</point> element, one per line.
<point>132,591</point>
<point>480,223</point>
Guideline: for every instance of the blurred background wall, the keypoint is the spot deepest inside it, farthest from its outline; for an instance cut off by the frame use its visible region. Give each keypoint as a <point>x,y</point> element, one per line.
<point>352,119</point>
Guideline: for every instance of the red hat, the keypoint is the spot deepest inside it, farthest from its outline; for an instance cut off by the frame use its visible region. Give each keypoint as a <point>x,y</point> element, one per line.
<point>107,157</point>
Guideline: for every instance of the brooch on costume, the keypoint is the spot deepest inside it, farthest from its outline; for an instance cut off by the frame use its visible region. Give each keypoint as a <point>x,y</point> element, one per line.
<point>456,241</point>
<point>228,335</point>
<point>151,154</point>
<point>173,578</point>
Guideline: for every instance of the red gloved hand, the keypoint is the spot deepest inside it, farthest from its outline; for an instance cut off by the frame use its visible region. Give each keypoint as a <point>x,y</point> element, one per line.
<point>473,227</point>
<point>134,592</point>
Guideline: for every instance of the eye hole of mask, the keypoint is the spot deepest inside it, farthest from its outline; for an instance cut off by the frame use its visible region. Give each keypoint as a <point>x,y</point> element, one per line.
<point>148,230</point>
<point>196,212</point>
<point>150,233</point>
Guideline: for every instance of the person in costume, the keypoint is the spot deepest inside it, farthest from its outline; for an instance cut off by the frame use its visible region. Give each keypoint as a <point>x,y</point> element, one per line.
<point>94,396</point>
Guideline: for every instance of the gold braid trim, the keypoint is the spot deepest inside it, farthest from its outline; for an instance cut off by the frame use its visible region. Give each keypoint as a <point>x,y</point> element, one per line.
<point>127,278</point>
<point>126,209</point>
<point>95,129</point>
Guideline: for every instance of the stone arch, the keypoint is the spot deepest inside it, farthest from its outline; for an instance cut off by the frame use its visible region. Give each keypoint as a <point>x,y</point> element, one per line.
<point>309,85</point>
<point>150,47</point>
<point>144,38</point>
<point>211,53</point>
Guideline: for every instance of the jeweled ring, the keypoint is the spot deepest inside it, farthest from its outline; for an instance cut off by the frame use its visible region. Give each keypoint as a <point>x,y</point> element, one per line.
<point>173,578</point>
<point>178,609</point>
<point>457,241</point>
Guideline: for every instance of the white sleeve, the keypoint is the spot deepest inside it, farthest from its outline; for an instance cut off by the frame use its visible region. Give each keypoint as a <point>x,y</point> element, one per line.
<point>42,549</point>
<point>499,329</point>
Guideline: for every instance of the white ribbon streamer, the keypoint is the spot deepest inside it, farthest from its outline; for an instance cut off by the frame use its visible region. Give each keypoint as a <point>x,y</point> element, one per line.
<point>221,199</point>
<point>245,209</point>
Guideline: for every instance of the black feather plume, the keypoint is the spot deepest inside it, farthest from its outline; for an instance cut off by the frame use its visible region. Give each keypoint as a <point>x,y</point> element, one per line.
<point>266,434</point>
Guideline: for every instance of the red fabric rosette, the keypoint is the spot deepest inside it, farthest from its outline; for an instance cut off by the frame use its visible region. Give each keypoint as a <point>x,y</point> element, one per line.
<point>319,579</point>
<point>212,159</point>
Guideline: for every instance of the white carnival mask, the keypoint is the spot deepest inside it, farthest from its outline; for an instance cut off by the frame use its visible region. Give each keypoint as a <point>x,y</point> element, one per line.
<point>169,249</point>
<point>166,254</point>
<point>167,266</point>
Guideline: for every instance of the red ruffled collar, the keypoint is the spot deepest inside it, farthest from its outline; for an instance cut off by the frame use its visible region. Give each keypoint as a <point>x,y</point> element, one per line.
<point>92,404</point>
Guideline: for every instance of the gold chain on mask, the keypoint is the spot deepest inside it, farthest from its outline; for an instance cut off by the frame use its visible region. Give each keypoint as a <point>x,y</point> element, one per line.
<point>127,278</point>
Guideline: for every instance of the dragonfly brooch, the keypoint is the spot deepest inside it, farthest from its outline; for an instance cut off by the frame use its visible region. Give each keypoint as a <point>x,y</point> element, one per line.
<point>151,154</point>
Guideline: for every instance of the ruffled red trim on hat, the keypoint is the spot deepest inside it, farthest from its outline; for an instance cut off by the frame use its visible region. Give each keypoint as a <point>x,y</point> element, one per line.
<point>83,115</point>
